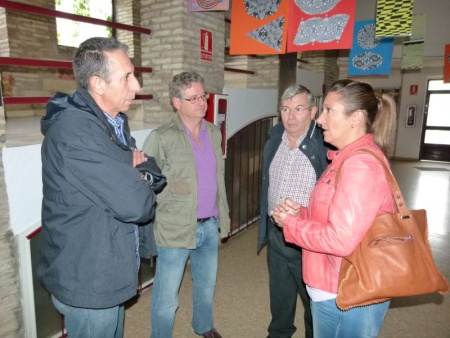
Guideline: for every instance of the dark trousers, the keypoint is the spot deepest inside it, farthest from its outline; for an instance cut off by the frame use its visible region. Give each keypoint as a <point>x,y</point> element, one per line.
<point>286,282</point>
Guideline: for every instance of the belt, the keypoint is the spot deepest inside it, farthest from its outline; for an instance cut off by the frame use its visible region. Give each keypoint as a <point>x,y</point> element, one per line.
<point>203,220</point>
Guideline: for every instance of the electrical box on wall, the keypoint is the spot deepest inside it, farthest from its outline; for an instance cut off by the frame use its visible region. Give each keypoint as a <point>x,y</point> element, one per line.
<point>217,114</point>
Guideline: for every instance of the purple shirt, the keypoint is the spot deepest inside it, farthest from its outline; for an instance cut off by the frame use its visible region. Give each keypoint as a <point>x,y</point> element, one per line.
<point>205,162</point>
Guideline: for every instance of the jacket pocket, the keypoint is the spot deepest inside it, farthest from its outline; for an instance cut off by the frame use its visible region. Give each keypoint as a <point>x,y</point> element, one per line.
<point>181,186</point>
<point>116,265</point>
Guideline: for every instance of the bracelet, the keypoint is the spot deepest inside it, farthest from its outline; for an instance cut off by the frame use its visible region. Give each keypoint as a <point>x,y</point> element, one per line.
<point>147,176</point>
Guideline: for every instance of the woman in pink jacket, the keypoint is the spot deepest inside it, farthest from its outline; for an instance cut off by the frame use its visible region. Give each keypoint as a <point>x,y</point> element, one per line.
<point>338,217</point>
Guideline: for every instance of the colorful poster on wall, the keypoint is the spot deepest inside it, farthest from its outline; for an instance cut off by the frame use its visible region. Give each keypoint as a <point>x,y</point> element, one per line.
<point>447,64</point>
<point>259,27</point>
<point>320,25</point>
<point>413,46</point>
<point>369,55</point>
<point>208,5</point>
<point>280,26</point>
<point>394,17</point>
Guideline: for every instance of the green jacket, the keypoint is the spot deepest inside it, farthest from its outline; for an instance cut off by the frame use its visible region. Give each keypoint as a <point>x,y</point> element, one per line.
<point>176,210</point>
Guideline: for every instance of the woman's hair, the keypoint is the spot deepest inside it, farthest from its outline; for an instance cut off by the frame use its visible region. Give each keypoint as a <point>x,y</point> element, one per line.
<point>379,109</point>
<point>90,59</point>
<point>296,89</point>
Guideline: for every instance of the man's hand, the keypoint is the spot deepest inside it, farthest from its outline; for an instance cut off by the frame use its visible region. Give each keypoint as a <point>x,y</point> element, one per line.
<point>138,157</point>
<point>283,209</point>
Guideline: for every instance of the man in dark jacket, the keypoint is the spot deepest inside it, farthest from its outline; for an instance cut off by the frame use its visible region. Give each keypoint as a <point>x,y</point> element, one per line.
<point>294,158</point>
<point>94,194</point>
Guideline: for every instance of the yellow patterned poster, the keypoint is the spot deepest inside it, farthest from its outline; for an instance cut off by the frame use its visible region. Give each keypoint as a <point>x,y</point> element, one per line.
<point>394,17</point>
<point>413,46</point>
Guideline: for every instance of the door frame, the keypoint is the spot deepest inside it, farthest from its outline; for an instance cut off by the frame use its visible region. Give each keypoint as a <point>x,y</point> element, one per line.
<point>428,151</point>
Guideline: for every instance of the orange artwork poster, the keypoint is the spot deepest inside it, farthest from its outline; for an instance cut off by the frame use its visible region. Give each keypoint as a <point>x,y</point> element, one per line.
<point>259,27</point>
<point>321,25</point>
<point>447,64</point>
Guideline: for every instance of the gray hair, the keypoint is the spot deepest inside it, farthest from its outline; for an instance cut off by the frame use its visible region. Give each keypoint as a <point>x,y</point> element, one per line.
<point>294,90</point>
<point>182,81</point>
<point>90,59</point>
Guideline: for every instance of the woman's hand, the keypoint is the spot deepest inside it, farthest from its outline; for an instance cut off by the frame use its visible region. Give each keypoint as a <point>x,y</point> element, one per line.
<point>283,209</point>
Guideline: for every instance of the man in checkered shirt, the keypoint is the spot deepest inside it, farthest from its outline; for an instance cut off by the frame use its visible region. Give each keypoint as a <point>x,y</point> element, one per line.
<point>294,158</point>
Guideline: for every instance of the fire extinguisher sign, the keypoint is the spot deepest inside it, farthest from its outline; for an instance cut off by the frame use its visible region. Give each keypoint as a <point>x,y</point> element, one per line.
<point>206,45</point>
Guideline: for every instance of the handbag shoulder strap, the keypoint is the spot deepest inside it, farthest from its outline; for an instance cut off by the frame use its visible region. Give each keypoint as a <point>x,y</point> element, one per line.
<point>396,192</point>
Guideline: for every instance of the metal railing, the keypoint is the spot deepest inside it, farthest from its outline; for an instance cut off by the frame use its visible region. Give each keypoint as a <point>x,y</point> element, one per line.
<point>243,168</point>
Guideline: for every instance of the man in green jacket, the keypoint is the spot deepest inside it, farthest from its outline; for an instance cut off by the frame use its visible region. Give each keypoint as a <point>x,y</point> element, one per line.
<point>191,211</point>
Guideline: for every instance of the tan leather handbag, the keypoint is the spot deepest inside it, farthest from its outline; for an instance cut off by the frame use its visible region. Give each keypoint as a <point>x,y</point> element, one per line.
<point>394,258</point>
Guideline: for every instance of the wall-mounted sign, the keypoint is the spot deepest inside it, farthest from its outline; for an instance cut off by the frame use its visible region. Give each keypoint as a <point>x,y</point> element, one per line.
<point>206,45</point>
<point>411,115</point>
<point>447,64</point>
<point>413,89</point>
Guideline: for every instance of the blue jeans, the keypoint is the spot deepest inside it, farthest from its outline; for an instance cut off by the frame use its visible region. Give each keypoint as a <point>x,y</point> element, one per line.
<point>170,266</point>
<point>91,323</point>
<point>360,322</point>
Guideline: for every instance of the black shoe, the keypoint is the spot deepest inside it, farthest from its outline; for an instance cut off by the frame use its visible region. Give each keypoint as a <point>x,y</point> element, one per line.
<point>212,334</point>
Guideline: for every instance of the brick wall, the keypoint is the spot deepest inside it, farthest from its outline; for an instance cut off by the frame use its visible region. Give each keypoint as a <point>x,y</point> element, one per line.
<point>128,12</point>
<point>323,62</point>
<point>265,70</point>
<point>10,309</point>
<point>265,67</point>
<point>32,36</point>
<point>4,46</point>
<point>174,47</point>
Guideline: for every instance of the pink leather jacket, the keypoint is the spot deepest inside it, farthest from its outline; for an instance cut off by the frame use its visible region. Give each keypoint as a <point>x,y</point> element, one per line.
<point>338,218</point>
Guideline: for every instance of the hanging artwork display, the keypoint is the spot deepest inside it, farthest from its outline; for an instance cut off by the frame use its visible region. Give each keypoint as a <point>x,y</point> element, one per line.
<point>394,17</point>
<point>258,26</point>
<point>369,55</point>
<point>284,26</point>
<point>208,5</point>
<point>413,47</point>
<point>320,25</point>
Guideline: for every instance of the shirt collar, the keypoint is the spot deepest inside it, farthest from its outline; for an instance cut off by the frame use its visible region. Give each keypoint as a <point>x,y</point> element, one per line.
<point>116,122</point>
<point>299,140</point>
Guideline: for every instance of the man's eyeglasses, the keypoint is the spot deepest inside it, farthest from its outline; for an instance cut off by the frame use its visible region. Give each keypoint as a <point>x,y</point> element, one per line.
<point>195,99</point>
<point>297,110</point>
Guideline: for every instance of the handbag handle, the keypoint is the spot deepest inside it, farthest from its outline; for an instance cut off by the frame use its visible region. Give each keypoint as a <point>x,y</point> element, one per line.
<point>396,192</point>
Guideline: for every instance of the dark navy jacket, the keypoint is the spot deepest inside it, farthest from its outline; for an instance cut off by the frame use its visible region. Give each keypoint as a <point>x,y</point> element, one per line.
<point>312,146</point>
<point>92,197</point>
